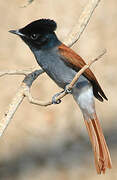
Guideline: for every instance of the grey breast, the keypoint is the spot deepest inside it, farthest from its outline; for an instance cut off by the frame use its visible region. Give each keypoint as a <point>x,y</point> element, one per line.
<point>53,65</point>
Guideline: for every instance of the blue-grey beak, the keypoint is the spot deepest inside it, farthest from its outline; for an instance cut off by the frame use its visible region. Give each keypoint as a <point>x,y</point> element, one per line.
<point>16,32</point>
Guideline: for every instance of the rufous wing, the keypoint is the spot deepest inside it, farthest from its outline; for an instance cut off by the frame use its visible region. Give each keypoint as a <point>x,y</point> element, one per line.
<point>76,62</point>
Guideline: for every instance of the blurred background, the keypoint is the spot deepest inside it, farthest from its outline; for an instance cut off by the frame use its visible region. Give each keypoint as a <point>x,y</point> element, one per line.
<point>51,143</point>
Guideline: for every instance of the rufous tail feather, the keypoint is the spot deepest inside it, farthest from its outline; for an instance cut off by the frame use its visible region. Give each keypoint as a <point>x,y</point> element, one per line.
<point>101,152</point>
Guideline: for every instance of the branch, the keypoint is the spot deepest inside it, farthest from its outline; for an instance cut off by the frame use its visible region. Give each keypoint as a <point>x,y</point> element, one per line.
<point>83,69</point>
<point>18,72</point>
<point>16,101</point>
<point>78,29</point>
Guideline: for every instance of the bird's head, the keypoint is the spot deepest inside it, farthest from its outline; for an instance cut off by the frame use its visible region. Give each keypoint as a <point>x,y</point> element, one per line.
<point>38,33</point>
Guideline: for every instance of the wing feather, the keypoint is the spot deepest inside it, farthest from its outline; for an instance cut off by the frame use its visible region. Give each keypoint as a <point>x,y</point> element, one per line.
<point>76,62</point>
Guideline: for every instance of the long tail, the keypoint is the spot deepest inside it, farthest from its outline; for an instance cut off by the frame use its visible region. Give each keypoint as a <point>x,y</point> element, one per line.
<point>101,152</point>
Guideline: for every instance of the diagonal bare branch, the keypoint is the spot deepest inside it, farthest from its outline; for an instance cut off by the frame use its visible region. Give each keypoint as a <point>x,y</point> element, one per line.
<point>83,20</point>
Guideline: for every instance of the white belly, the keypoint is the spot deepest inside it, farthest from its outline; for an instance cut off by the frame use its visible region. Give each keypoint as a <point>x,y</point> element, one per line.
<point>84,97</point>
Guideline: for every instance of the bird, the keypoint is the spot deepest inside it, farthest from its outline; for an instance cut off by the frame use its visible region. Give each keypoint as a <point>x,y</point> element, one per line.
<point>61,64</point>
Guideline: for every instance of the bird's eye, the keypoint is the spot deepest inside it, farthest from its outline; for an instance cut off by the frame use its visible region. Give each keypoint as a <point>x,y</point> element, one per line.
<point>34,36</point>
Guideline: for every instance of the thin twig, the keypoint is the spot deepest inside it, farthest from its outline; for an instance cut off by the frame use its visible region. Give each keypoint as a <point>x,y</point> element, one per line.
<point>70,86</point>
<point>35,101</point>
<point>24,72</point>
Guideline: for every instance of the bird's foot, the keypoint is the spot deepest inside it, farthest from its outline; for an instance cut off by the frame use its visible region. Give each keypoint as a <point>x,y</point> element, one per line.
<point>54,101</point>
<point>67,90</point>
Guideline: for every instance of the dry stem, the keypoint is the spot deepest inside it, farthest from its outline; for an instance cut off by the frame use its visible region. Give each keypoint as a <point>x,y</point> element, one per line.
<point>24,72</point>
<point>78,29</point>
<point>16,101</point>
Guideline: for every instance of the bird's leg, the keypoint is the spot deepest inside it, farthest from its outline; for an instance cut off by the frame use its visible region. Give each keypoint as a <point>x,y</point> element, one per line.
<point>67,90</point>
<point>54,101</point>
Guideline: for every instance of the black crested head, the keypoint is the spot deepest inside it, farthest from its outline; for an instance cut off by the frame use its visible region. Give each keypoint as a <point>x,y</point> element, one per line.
<point>39,34</point>
<point>41,26</point>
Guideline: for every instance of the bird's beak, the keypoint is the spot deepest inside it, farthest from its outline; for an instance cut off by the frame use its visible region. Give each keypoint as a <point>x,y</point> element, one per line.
<point>17,32</point>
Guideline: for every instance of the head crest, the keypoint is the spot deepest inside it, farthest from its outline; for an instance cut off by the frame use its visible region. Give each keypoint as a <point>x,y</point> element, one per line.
<point>41,25</point>
<point>47,24</point>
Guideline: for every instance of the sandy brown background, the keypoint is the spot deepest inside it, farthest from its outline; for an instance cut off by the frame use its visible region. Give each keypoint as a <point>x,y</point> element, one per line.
<point>51,143</point>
